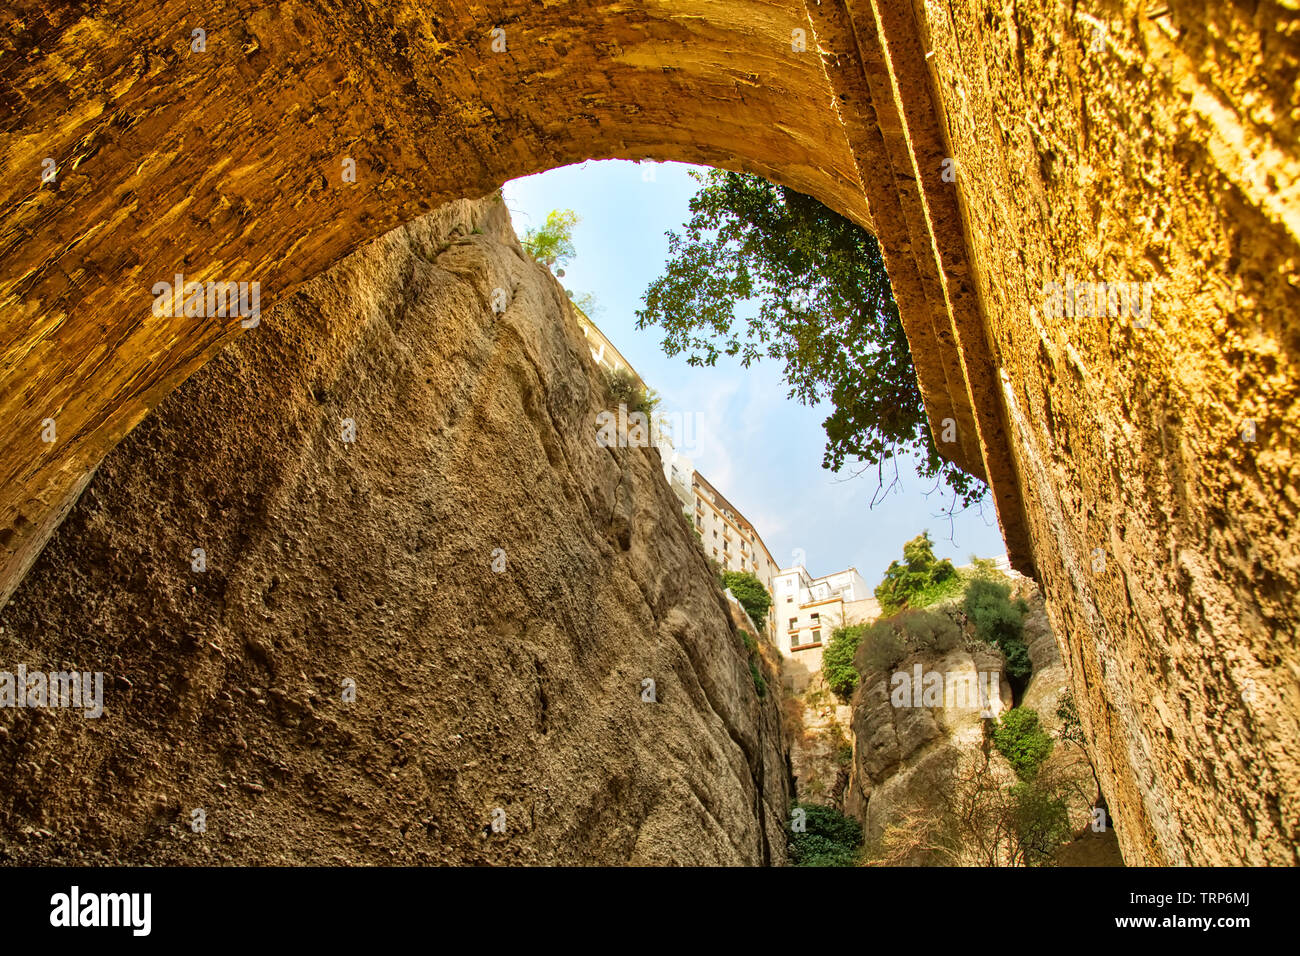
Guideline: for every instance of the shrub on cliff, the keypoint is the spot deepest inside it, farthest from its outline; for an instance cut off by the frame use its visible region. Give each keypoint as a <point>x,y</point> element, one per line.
<point>1040,823</point>
<point>827,838</point>
<point>918,573</point>
<point>624,390</point>
<point>999,621</point>
<point>1023,741</point>
<point>891,639</point>
<point>751,594</point>
<point>837,659</point>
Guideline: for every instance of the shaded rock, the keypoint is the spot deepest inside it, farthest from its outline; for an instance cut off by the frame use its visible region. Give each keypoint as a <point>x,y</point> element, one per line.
<point>369,563</point>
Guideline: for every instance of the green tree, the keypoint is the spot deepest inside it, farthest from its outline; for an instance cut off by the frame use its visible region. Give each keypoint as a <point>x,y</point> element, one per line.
<point>837,659</point>
<point>552,244</point>
<point>751,594</point>
<point>1040,823</point>
<point>999,621</point>
<point>919,570</point>
<point>825,309</point>
<point>1023,741</point>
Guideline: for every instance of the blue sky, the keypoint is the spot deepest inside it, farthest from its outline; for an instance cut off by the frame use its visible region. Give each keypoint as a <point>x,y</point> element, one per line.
<point>758,447</point>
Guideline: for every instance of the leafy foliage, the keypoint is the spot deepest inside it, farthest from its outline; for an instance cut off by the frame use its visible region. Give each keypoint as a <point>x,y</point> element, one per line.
<point>984,568</point>
<point>938,591</point>
<point>552,243</point>
<point>919,570</point>
<point>840,746</point>
<point>999,621</point>
<point>829,839</point>
<point>825,309</point>
<point>751,594</point>
<point>837,659</point>
<point>1022,741</point>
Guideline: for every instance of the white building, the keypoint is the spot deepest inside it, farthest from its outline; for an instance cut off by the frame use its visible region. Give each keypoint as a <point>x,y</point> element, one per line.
<point>603,352</point>
<point>808,609</point>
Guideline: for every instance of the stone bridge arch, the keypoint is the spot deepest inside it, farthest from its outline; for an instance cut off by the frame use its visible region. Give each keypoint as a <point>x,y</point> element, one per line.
<point>226,164</point>
<point>1112,141</point>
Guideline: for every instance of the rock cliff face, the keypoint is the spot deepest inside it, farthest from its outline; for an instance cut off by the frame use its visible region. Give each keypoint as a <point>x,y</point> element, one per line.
<point>929,775</point>
<point>1151,143</point>
<point>902,755</point>
<point>496,587</point>
<point>821,751</point>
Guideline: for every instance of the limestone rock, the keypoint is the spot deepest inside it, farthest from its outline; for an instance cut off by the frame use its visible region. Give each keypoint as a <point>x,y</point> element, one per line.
<point>498,711</point>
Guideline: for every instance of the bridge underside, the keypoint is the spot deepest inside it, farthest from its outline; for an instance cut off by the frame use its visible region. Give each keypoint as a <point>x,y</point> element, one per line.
<point>1109,146</point>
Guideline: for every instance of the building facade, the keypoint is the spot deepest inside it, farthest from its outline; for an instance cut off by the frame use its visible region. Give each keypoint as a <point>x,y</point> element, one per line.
<point>603,352</point>
<point>729,538</point>
<point>808,609</point>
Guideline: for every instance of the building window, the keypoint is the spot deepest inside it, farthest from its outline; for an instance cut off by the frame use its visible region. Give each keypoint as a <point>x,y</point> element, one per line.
<point>816,637</point>
<point>816,619</point>
<point>715,552</point>
<point>788,600</point>
<point>794,623</point>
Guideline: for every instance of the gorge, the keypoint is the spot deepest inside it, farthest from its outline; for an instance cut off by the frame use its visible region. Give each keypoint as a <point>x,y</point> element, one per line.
<point>1144,475</point>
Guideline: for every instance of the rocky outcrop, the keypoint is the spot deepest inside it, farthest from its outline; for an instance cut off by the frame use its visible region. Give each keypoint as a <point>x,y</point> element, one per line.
<point>929,786</point>
<point>902,754</point>
<point>366,589</point>
<point>1048,681</point>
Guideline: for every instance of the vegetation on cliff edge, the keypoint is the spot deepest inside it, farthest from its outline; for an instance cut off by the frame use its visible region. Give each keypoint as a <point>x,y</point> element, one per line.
<point>749,591</point>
